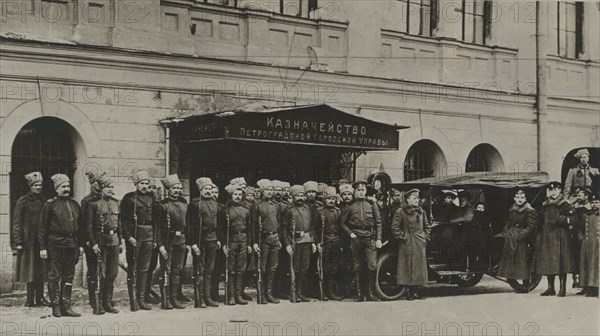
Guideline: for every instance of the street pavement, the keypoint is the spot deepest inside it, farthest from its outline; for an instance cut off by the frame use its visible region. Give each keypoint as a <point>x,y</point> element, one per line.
<point>490,308</point>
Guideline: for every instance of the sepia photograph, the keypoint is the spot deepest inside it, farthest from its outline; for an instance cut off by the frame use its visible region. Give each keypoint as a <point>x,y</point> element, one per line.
<point>299,167</point>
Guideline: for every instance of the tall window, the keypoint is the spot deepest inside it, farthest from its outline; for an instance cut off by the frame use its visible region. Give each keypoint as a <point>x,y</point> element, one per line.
<point>418,17</point>
<point>569,28</point>
<point>424,157</point>
<point>476,20</point>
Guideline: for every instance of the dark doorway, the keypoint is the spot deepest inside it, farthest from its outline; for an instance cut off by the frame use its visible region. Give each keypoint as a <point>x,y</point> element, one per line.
<point>44,145</point>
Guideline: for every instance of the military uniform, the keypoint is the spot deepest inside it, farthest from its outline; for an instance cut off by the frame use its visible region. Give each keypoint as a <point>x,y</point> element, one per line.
<point>282,274</point>
<point>577,231</point>
<point>361,217</point>
<point>138,222</point>
<point>264,216</point>
<point>91,259</point>
<point>238,218</point>
<point>581,176</point>
<point>31,268</point>
<point>208,211</point>
<point>590,253</point>
<point>173,238</point>
<point>58,234</point>
<point>330,230</point>
<point>104,229</point>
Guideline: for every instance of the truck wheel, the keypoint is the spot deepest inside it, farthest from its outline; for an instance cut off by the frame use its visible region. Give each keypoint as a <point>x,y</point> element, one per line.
<point>386,287</point>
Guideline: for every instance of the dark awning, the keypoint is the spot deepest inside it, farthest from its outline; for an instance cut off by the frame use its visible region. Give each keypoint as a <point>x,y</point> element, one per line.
<point>320,125</point>
<point>508,180</point>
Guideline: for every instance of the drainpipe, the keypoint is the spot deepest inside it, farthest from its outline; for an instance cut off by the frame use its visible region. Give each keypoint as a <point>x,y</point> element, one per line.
<point>541,52</point>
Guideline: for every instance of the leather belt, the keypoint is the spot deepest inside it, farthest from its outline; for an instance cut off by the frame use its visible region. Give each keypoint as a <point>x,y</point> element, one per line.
<point>65,235</point>
<point>207,230</point>
<point>110,232</point>
<point>268,233</point>
<point>177,233</point>
<point>237,233</point>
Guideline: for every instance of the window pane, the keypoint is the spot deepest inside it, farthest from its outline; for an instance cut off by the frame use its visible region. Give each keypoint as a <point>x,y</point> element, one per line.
<point>426,19</point>
<point>570,45</point>
<point>403,10</point>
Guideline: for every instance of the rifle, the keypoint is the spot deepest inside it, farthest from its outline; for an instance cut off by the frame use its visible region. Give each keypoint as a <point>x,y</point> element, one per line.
<point>165,281</point>
<point>259,287</point>
<point>292,274</point>
<point>99,278</point>
<point>320,260</point>
<point>227,294</point>
<point>132,274</point>
<point>197,275</point>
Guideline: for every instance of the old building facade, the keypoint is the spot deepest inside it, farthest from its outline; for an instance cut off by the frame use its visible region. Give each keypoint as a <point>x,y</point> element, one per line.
<point>115,77</point>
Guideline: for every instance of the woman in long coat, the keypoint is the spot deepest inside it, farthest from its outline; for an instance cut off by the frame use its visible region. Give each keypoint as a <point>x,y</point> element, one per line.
<point>553,246</point>
<point>589,250</point>
<point>520,227</point>
<point>411,227</point>
<point>30,267</point>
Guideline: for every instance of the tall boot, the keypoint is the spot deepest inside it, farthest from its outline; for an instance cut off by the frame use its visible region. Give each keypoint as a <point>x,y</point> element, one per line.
<point>167,291</point>
<point>174,291</point>
<point>147,297</point>
<point>231,290</point>
<point>66,309</point>
<point>370,285</point>
<point>206,289</point>
<point>269,291</point>
<point>239,289</point>
<point>141,291</point>
<point>330,286</point>
<point>180,296</point>
<point>30,295</point>
<point>410,293</point>
<point>247,279</point>
<point>550,291</point>
<point>263,292</point>
<point>300,279</point>
<point>201,302</point>
<point>40,300</point>
<point>54,301</point>
<point>359,293</point>
<point>107,294</point>
<point>562,281</point>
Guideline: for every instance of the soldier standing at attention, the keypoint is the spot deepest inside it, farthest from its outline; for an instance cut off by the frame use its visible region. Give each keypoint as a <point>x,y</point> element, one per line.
<point>581,206</point>
<point>518,231</point>
<point>138,223</point>
<point>331,247</point>
<point>58,238</point>
<point>203,215</point>
<point>219,264</point>
<point>104,232</point>
<point>582,175</point>
<point>90,257</point>
<point>171,219</point>
<point>589,249</point>
<point>362,222</point>
<point>346,273</point>
<point>411,227</point>
<point>238,218</point>
<point>265,217</point>
<point>299,224</point>
<point>26,218</point>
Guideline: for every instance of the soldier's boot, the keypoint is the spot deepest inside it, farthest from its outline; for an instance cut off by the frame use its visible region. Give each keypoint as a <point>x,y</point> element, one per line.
<point>550,291</point>
<point>359,293</point>
<point>30,295</point>
<point>372,276</point>
<point>583,291</point>
<point>576,281</point>
<point>269,292</point>
<point>247,279</point>
<point>562,280</point>
<point>53,294</point>
<point>147,297</point>
<point>65,309</point>
<point>330,285</point>
<point>201,302</point>
<point>263,292</point>
<point>180,296</point>
<point>231,290</point>
<point>299,287</point>
<point>107,295</point>
<point>174,291</point>
<point>40,300</point>
<point>206,291</point>
<point>214,288</point>
<point>239,289</point>
<point>410,296</point>
<point>417,293</point>
<point>592,292</point>
<point>141,291</point>
<point>167,291</point>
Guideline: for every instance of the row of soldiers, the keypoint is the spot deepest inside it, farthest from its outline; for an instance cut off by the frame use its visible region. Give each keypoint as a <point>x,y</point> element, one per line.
<point>258,226</point>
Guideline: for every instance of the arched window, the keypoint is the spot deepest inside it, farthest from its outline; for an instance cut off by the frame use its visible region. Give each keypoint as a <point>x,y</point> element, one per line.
<point>424,159</point>
<point>484,157</point>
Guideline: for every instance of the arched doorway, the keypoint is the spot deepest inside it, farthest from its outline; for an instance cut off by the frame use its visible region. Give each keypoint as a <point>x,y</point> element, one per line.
<point>424,159</point>
<point>484,157</point>
<point>47,145</point>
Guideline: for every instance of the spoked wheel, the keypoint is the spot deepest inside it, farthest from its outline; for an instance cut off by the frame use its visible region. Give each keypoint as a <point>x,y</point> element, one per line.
<point>386,287</point>
<point>468,280</point>
<point>534,281</point>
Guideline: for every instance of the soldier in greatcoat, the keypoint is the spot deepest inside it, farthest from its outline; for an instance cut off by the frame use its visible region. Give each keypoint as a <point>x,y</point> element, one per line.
<point>553,246</point>
<point>31,268</point>
<point>589,249</point>
<point>411,227</point>
<point>517,233</point>
<point>581,176</point>
<point>58,236</point>
<point>581,206</point>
